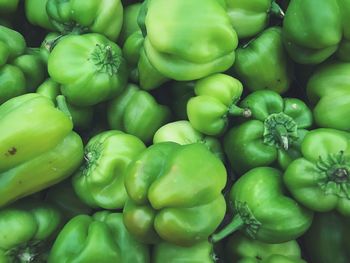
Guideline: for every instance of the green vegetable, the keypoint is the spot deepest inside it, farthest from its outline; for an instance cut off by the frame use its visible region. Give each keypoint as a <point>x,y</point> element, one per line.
<point>215,101</point>
<point>328,90</point>
<point>273,134</point>
<point>90,69</point>
<point>37,15</point>
<point>242,249</point>
<point>100,180</point>
<point>136,112</point>
<point>8,6</point>
<point>328,239</point>
<point>130,24</point>
<point>37,146</point>
<point>320,179</point>
<point>313,32</point>
<point>81,16</point>
<point>263,63</point>
<point>131,53</point>
<point>178,94</point>
<point>27,228</point>
<point>101,238</point>
<point>262,209</point>
<point>200,43</point>
<point>165,199</point>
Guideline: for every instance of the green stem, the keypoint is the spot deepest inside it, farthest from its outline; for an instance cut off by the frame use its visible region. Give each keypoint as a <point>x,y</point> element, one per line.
<point>62,105</point>
<point>236,224</point>
<point>276,10</point>
<point>234,110</point>
<point>282,135</point>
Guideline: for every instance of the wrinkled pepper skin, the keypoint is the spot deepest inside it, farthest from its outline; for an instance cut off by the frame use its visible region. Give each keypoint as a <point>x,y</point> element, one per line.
<point>26,229</point>
<point>241,249</point>
<point>312,32</point>
<point>215,100</point>
<point>250,17</point>
<point>272,135</point>
<point>136,112</point>
<point>263,63</point>
<point>320,178</point>
<point>81,16</point>
<point>328,239</point>
<point>90,69</point>
<point>101,238</point>
<point>328,90</point>
<point>36,14</point>
<point>100,180</point>
<point>165,200</point>
<point>8,6</point>
<point>39,152</point>
<point>186,50</point>
<point>198,253</point>
<point>182,132</point>
<point>263,211</point>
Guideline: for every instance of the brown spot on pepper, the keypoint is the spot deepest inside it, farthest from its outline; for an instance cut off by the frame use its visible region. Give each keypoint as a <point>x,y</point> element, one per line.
<point>12,151</point>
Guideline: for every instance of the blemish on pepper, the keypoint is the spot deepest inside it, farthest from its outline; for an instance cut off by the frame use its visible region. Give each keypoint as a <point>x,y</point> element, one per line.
<point>12,151</point>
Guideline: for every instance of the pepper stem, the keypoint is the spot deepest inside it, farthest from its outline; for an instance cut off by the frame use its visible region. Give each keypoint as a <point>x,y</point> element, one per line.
<point>282,135</point>
<point>62,106</point>
<point>236,224</point>
<point>276,10</point>
<point>234,110</point>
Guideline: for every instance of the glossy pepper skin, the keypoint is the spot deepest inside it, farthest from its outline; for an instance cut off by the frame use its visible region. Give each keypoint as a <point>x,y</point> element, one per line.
<point>165,200</point>
<point>241,249</point>
<point>320,178</point>
<point>182,132</point>
<point>40,152</point>
<point>90,69</point>
<point>130,25</point>
<point>263,63</point>
<point>99,238</point>
<point>263,211</point>
<point>137,113</point>
<point>313,32</point>
<point>185,50</point>
<point>251,17</point>
<point>328,90</point>
<point>328,239</point>
<point>26,230</point>
<point>215,100</point>
<point>100,180</point>
<point>271,136</point>
<point>82,16</point>
<point>198,253</point>
<point>36,14</point>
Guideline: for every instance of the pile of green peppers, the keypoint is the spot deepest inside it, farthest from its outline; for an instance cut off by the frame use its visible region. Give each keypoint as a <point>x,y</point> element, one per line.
<point>174,131</point>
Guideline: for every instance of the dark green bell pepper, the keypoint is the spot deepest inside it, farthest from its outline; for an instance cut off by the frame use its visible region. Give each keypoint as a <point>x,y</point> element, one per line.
<point>241,249</point>
<point>262,209</point>
<point>215,100</point>
<point>263,63</point>
<point>272,135</point>
<point>328,90</point>
<point>37,146</point>
<point>180,93</point>
<point>328,239</point>
<point>100,180</point>
<point>26,231</point>
<point>101,238</point>
<point>131,52</point>
<point>90,68</point>
<point>165,199</point>
<point>137,112</point>
<point>320,178</point>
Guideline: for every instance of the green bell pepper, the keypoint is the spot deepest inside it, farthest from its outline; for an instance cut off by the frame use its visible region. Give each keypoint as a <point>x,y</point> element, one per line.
<point>136,112</point>
<point>312,32</point>
<point>131,53</point>
<point>130,24</point>
<point>100,180</point>
<point>81,16</point>
<point>328,239</point>
<point>49,89</point>
<point>215,100</point>
<point>200,43</point>
<point>36,14</point>
<point>178,94</point>
<point>273,134</point>
<point>182,132</point>
<point>249,18</point>
<point>198,253</point>
<point>101,238</point>
<point>328,90</point>
<point>320,178</point>
<point>262,209</point>
<point>263,63</point>
<point>37,146</point>
<point>165,199</point>
<point>90,68</point>
<point>26,230</point>
<point>241,249</point>
<point>8,6</point>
